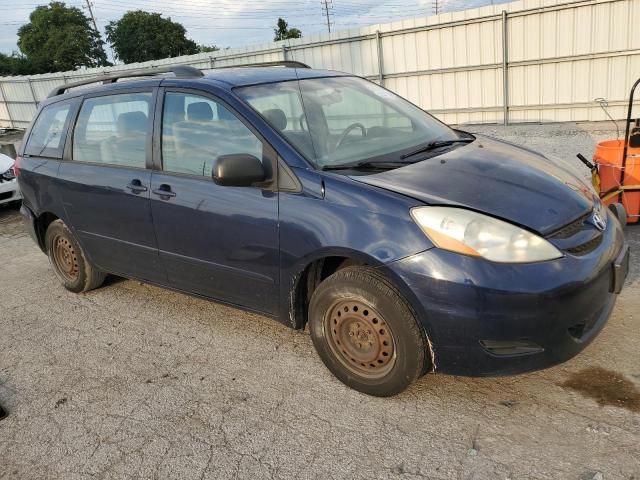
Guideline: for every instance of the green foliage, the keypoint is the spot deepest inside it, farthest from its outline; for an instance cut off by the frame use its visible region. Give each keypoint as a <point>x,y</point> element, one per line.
<point>58,38</point>
<point>142,36</point>
<point>283,32</point>
<point>16,64</point>
<point>207,48</point>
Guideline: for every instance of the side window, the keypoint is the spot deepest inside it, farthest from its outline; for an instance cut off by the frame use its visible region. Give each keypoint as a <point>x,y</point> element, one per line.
<point>47,134</point>
<point>113,130</point>
<point>197,130</point>
<point>281,106</point>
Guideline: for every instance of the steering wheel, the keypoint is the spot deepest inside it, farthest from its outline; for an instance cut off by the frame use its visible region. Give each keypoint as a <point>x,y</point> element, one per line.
<point>347,130</point>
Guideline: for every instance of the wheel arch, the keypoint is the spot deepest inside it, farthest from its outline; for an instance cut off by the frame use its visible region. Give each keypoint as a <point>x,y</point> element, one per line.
<point>307,275</point>
<point>310,273</point>
<point>41,223</point>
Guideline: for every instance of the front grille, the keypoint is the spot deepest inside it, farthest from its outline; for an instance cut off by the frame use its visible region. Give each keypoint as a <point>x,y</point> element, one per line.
<point>579,237</point>
<point>570,230</point>
<point>6,195</point>
<point>586,247</point>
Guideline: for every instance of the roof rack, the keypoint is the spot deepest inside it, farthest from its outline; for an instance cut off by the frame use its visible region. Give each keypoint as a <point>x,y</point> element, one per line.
<point>180,71</point>
<point>277,63</point>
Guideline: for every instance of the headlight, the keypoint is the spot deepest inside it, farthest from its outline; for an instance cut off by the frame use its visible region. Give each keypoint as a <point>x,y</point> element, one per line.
<point>470,233</point>
<point>8,175</point>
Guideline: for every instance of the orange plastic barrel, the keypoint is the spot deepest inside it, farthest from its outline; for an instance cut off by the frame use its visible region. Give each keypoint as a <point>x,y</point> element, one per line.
<point>608,156</point>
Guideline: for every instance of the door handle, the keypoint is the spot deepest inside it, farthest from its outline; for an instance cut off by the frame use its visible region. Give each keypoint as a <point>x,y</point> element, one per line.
<point>136,186</point>
<point>164,190</point>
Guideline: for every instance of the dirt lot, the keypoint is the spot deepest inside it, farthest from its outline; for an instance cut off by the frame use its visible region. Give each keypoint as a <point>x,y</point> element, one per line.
<point>132,381</point>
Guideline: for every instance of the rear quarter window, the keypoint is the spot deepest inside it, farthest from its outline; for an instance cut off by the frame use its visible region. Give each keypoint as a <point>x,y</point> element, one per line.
<point>48,132</point>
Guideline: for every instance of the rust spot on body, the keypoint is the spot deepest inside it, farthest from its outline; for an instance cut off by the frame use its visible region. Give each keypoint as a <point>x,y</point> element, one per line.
<point>606,387</point>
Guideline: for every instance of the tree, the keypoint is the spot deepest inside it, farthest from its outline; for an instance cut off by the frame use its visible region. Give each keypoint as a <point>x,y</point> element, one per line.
<point>60,38</point>
<point>283,32</point>
<point>208,48</point>
<point>142,36</point>
<point>16,64</point>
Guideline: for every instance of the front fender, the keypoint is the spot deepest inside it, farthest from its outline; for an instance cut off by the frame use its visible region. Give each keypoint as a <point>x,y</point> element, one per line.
<point>335,216</point>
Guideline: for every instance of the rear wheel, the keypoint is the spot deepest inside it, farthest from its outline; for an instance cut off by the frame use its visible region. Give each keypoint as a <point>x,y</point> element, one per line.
<point>366,333</point>
<point>69,262</point>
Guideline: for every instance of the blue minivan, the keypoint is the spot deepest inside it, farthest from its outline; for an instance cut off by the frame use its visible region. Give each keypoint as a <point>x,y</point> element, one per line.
<point>324,200</point>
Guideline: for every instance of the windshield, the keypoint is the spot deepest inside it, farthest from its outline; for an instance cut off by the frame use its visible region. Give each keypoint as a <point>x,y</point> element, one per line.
<point>337,121</point>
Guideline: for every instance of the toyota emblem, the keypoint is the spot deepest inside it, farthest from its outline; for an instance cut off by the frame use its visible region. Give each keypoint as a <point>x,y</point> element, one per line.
<point>599,222</point>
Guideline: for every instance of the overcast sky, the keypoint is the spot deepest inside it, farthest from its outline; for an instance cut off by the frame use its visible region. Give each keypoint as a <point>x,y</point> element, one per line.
<point>233,23</point>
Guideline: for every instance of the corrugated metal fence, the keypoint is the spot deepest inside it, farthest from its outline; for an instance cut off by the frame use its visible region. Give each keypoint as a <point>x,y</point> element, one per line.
<point>549,60</point>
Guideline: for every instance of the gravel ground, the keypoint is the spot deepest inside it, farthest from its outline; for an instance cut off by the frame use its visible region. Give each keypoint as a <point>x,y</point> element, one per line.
<point>132,381</point>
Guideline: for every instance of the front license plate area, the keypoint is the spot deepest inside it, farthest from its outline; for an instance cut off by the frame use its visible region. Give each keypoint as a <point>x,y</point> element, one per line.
<point>620,269</point>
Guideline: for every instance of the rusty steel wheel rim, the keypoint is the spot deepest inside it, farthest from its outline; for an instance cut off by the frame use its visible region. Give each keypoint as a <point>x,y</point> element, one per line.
<point>65,258</point>
<point>360,338</point>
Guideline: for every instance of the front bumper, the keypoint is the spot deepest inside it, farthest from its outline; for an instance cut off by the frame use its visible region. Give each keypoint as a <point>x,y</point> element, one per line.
<point>9,191</point>
<point>467,304</point>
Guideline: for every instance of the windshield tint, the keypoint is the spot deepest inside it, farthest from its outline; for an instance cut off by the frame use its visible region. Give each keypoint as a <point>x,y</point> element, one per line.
<point>345,120</point>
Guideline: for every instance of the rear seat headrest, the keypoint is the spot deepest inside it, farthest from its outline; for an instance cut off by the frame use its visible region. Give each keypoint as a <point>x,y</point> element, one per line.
<point>276,117</point>
<point>132,122</point>
<point>199,112</point>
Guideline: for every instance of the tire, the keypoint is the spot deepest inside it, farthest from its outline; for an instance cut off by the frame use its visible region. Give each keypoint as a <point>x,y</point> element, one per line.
<point>366,333</point>
<point>69,262</point>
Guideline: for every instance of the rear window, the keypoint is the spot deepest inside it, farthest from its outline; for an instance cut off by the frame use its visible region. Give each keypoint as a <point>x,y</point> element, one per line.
<point>47,135</point>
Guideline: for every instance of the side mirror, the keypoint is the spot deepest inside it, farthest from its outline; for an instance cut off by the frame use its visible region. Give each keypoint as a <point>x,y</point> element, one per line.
<point>238,170</point>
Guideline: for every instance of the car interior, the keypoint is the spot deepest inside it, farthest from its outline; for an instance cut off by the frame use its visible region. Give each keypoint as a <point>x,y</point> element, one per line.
<point>196,131</point>
<point>113,130</point>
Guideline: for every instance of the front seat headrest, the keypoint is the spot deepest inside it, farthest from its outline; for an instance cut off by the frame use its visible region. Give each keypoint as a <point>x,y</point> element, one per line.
<point>132,122</point>
<point>276,117</point>
<point>199,112</point>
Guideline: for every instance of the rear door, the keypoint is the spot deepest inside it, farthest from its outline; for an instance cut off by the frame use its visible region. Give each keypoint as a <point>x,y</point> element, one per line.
<point>106,182</point>
<point>217,241</point>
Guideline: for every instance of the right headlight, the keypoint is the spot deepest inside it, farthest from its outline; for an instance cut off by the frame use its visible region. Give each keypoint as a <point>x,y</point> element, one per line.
<point>471,233</point>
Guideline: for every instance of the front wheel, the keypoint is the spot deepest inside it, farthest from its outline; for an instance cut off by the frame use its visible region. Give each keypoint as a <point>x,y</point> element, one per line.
<point>366,333</point>
<point>69,262</point>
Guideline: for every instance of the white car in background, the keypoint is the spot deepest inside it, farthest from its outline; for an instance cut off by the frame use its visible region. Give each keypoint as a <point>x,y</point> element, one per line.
<point>9,191</point>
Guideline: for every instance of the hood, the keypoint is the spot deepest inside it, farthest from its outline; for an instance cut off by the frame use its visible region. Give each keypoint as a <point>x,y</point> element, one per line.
<point>5,163</point>
<point>497,178</point>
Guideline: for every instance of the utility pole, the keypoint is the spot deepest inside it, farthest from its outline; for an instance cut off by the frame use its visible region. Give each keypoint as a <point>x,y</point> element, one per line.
<point>95,25</point>
<point>436,7</point>
<point>326,13</point>
<point>93,19</point>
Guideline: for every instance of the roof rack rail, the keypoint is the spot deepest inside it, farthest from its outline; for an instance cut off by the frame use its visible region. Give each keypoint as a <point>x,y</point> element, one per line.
<point>277,63</point>
<point>180,71</point>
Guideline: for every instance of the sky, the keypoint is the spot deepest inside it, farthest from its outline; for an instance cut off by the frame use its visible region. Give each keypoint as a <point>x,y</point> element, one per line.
<point>234,23</point>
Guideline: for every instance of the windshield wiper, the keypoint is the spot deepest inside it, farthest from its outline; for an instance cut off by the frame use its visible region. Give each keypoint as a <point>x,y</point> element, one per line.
<point>436,144</point>
<point>367,164</point>
<point>387,165</point>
